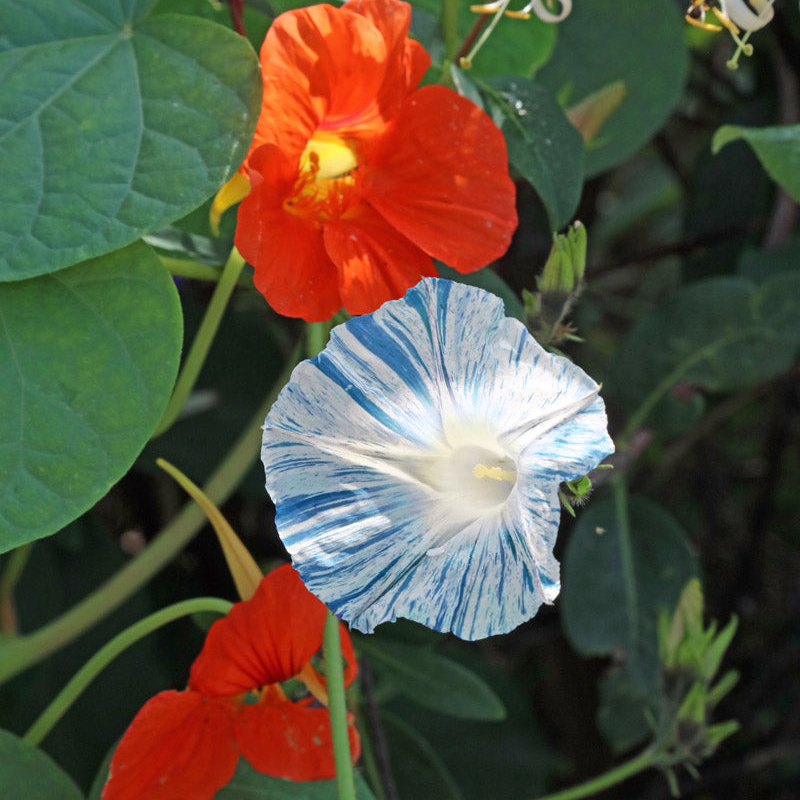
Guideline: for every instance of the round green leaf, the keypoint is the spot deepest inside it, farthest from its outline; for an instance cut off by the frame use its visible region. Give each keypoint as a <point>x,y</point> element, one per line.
<point>112,125</point>
<point>639,44</point>
<point>777,148</point>
<point>27,772</point>
<point>542,144</point>
<point>620,571</point>
<point>88,357</point>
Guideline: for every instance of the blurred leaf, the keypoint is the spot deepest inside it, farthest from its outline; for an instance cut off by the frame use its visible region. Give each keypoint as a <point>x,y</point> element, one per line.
<point>542,144</point>
<point>640,44</point>
<point>721,334</point>
<point>777,148</point>
<point>247,784</point>
<point>618,575</point>
<point>26,772</point>
<point>80,398</point>
<point>172,241</point>
<point>759,265</point>
<point>434,681</point>
<point>483,756</point>
<point>417,769</point>
<point>492,282</point>
<point>515,47</point>
<point>621,714</point>
<point>112,124</point>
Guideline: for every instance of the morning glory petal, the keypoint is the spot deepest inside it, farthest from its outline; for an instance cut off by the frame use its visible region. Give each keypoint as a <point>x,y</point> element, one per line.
<point>415,463</point>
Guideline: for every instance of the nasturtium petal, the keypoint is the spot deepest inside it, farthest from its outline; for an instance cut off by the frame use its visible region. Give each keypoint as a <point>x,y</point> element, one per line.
<point>458,202</point>
<point>181,744</point>
<point>88,358</point>
<point>111,125</point>
<point>371,451</point>
<point>253,646</point>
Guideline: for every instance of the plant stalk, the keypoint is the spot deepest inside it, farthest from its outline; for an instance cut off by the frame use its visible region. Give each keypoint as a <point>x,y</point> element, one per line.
<point>89,671</point>
<point>337,708</point>
<point>202,340</point>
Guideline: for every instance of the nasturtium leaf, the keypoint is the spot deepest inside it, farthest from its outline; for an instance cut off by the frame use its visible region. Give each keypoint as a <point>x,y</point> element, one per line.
<point>27,772</point>
<point>620,571</point>
<point>112,124</point>
<point>640,44</point>
<point>721,334</point>
<point>434,681</point>
<point>542,144</point>
<point>88,357</point>
<point>778,149</point>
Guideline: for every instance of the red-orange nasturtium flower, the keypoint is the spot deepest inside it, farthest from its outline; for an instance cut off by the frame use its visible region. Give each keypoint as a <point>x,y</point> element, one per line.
<point>357,178</point>
<point>185,745</point>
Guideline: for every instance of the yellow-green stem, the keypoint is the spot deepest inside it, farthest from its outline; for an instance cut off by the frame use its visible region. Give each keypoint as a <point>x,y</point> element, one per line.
<point>202,340</point>
<point>337,708</point>
<point>181,268</point>
<point>89,671</point>
<point>611,778</point>
<point>15,565</point>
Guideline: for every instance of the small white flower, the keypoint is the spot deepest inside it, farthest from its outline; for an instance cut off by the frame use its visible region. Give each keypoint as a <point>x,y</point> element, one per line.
<point>415,463</point>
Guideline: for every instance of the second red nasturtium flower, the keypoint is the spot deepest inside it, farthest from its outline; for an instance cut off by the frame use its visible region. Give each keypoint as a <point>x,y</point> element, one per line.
<point>357,178</point>
<point>185,745</point>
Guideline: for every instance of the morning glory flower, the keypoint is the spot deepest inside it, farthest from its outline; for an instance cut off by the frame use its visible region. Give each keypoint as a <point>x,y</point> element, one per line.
<point>415,463</point>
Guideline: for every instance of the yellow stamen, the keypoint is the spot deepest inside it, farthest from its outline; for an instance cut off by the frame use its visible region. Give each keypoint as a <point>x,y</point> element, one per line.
<point>495,473</point>
<point>329,179</point>
<point>698,23</point>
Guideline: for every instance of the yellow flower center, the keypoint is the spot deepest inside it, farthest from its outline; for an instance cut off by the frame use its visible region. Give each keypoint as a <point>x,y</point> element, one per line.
<point>328,185</point>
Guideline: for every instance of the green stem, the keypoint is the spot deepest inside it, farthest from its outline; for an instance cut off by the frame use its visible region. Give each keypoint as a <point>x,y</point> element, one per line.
<point>316,338</point>
<point>449,22</point>
<point>8,583</point>
<point>89,671</point>
<point>24,651</point>
<point>181,268</point>
<point>620,491</point>
<point>337,708</point>
<point>614,776</point>
<point>202,340</point>
<point>639,416</point>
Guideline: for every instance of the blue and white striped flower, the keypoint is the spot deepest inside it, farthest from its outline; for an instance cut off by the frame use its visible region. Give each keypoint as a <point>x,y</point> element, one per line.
<point>415,463</point>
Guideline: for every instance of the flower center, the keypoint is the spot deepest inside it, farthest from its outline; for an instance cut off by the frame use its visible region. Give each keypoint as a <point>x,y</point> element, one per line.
<point>472,479</point>
<point>328,184</point>
<point>482,477</point>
